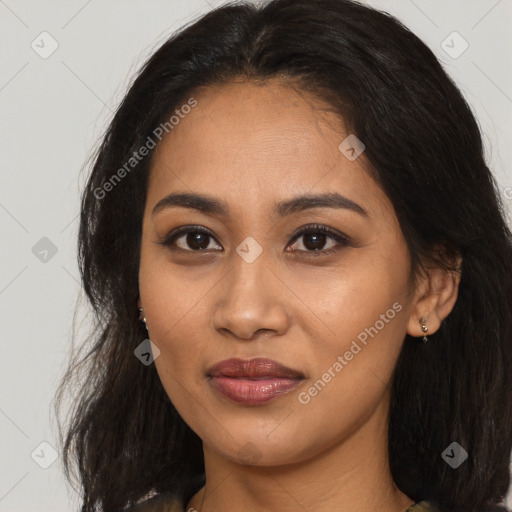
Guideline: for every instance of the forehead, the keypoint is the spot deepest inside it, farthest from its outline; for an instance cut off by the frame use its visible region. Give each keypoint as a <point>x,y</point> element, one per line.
<point>239,119</point>
<point>249,141</point>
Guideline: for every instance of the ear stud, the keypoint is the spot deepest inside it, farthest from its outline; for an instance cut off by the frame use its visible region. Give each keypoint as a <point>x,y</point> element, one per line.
<point>142,317</point>
<point>424,328</point>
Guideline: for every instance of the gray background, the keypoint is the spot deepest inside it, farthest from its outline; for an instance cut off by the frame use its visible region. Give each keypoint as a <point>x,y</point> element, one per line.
<point>53,111</point>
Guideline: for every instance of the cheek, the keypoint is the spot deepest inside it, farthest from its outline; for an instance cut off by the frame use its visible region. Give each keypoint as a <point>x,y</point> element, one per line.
<point>179,366</point>
<point>353,367</point>
<point>174,302</point>
<point>362,322</point>
<point>362,298</point>
<point>178,325</point>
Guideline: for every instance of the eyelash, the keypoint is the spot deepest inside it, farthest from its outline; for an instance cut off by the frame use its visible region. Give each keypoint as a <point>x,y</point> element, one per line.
<point>342,240</point>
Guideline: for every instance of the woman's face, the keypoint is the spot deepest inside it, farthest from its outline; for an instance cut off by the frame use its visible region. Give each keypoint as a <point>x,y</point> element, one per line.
<point>335,316</point>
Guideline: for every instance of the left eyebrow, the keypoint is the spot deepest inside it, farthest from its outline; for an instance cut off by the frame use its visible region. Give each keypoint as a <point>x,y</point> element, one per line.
<point>329,200</point>
<point>213,206</point>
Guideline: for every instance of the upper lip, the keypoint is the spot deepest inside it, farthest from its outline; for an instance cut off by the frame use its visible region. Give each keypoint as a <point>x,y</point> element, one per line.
<point>258,367</point>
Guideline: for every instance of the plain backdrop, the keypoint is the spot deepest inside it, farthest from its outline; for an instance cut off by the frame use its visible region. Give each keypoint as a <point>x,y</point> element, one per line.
<point>65,65</point>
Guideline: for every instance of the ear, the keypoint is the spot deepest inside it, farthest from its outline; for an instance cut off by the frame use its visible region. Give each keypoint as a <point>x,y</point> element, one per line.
<point>139,303</point>
<point>436,293</point>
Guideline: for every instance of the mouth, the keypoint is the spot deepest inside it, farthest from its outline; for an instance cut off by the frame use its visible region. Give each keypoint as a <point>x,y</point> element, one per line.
<point>253,381</point>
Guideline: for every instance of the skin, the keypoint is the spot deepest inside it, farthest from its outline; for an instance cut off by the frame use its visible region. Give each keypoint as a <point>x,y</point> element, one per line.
<point>252,145</point>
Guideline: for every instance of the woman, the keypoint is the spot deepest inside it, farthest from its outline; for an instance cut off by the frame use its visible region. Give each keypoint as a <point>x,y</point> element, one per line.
<point>302,277</point>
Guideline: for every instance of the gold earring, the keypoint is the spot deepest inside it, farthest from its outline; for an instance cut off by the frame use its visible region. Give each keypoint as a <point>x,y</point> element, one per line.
<point>424,328</point>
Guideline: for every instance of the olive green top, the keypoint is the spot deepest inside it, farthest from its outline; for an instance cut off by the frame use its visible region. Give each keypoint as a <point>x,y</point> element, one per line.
<point>162,503</point>
<point>422,506</point>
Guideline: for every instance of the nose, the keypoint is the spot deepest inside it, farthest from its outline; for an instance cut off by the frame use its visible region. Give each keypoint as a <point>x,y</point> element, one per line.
<point>251,299</point>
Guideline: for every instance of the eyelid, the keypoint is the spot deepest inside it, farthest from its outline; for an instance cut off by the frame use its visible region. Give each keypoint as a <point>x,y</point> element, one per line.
<point>315,227</point>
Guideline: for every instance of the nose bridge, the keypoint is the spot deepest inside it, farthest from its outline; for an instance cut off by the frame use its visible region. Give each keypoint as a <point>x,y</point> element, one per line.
<point>249,260</point>
<point>250,299</point>
<point>248,280</point>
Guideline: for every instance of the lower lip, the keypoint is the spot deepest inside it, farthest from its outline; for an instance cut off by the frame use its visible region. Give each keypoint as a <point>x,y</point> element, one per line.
<point>254,392</point>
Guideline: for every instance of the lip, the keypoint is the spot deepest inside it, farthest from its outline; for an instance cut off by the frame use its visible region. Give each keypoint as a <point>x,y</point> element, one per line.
<point>253,381</point>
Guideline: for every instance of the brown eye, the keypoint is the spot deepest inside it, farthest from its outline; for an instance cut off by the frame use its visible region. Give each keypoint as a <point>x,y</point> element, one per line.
<point>315,238</point>
<point>314,241</point>
<point>189,238</point>
<point>195,240</point>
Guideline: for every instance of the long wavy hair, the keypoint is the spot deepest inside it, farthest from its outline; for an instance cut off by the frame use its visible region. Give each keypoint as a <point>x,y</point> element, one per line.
<point>123,435</point>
